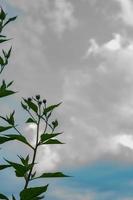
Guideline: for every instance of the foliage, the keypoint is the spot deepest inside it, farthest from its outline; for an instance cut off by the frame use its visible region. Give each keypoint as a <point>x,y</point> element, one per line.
<point>39,113</point>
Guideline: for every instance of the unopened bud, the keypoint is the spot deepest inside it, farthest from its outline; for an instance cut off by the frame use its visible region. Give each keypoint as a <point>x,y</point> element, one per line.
<point>38,97</point>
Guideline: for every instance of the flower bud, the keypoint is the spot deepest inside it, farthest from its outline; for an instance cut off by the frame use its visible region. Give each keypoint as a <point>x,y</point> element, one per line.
<point>44,101</point>
<point>40,102</point>
<point>38,97</point>
<point>29,99</point>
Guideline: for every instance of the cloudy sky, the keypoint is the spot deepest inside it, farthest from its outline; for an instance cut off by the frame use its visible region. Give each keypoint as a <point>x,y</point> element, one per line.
<point>79,52</point>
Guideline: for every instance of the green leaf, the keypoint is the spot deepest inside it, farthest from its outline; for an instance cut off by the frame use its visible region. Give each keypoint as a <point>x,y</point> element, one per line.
<point>13,198</point>
<point>53,175</point>
<point>2,14</point>
<point>31,105</point>
<point>10,20</point>
<point>4,166</point>
<point>9,84</point>
<point>50,108</point>
<point>47,136</point>
<point>23,106</point>
<point>1,61</point>
<point>2,36</point>
<point>24,161</point>
<point>30,120</point>
<point>9,53</point>
<point>32,193</point>
<point>20,170</point>
<point>53,141</point>
<point>2,196</point>
<point>4,40</point>
<point>19,138</point>
<point>4,128</point>
<point>3,139</point>
<point>4,93</point>
<point>11,118</point>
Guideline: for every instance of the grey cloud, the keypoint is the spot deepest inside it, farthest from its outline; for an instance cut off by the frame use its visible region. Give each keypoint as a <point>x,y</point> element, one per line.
<point>94,99</point>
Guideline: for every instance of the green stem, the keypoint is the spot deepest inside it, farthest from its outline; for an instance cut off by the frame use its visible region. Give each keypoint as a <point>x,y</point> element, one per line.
<point>35,151</point>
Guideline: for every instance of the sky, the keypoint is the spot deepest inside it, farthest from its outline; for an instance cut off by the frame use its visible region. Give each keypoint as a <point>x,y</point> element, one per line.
<point>81,53</point>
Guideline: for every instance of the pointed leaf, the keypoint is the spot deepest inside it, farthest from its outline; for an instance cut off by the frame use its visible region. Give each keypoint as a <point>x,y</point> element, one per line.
<point>2,14</point>
<point>23,106</point>
<point>31,105</point>
<point>9,53</point>
<point>47,136</point>
<point>19,138</point>
<point>9,84</point>
<point>4,139</point>
<point>20,170</point>
<point>30,120</point>
<point>2,196</point>
<point>13,198</point>
<point>4,40</point>
<point>53,175</point>
<point>50,108</point>
<point>53,141</point>
<point>4,128</point>
<point>4,166</point>
<point>4,93</point>
<point>32,193</point>
<point>1,61</point>
<point>9,20</point>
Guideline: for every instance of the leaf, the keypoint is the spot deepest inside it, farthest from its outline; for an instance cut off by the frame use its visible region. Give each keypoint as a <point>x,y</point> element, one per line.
<point>20,170</point>
<point>4,128</point>
<point>13,198</point>
<point>2,36</point>
<point>10,20</point>
<point>53,141</point>
<point>50,108</point>
<point>4,166</point>
<point>9,53</point>
<point>23,106</point>
<point>31,105</point>
<point>3,40</point>
<point>1,61</point>
<point>47,136</point>
<point>2,14</point>
<point>53,175</point>
<point>11,118</point>
<point>3,139</point>
<point>3,86</point>
<point>24,160</point>
<point>4,93</point>
<point>9,84</point>
<point>3,197</point>
<point>19,138</point>
<point>32,193</point>
<point>30,120</point>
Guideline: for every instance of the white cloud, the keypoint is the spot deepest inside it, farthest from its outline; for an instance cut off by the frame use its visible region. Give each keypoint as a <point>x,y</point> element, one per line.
<point>62,17</point>
<point>60,13</point>
<point>114,45</point>
<point>126,11</point>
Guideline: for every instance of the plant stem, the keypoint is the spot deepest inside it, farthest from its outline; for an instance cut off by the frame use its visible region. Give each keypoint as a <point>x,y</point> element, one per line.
<point>35,151</point>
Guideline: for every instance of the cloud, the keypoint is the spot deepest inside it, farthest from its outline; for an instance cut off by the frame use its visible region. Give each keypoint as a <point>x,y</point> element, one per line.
<point>97,108</point>
<point>126,11</point>
<point>59,14</point>
<point>114,45</point>
<point>62,17</point>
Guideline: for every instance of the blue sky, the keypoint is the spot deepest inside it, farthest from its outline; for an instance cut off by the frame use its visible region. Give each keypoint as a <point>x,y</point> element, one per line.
<point>79,52</point>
